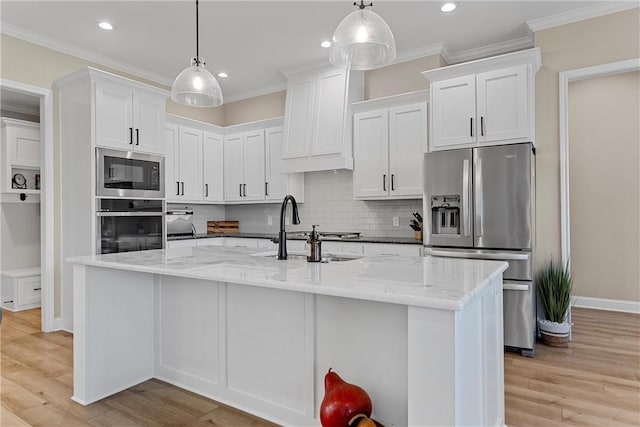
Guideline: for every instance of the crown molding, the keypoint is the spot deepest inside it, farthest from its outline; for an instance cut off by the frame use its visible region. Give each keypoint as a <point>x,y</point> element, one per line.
<point>422,52</point>
<point>21,109</point>
<point>588,12</point>
<point>31,37</point>
<point>499,48</point>
<point>265,90</point>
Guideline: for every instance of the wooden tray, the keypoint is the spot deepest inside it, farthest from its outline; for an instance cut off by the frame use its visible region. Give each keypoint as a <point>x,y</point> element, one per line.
<point>227,227</point>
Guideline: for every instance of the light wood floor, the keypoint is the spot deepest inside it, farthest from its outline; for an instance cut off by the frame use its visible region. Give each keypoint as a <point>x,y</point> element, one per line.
<point>37,384</point>
<point>596,381</point>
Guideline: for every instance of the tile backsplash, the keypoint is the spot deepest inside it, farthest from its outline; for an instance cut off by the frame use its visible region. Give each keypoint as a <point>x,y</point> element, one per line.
<point>201,214</point>
<point>329,202</point>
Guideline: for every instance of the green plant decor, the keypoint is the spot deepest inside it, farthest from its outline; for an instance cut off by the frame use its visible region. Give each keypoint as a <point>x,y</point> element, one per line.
<point>554,284</point>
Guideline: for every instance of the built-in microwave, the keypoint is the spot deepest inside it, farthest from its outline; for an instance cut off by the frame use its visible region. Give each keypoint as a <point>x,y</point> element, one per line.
<point>129,174</point>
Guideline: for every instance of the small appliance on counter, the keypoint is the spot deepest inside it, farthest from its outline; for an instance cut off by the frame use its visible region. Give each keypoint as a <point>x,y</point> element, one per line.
<point>180,222</point>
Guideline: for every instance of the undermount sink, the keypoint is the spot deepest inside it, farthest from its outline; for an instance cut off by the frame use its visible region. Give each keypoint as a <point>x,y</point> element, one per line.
<point>298,256</point>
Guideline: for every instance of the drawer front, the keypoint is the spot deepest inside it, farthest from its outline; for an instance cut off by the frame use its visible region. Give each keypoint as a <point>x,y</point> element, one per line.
<point>29,290</point>
<point>189,243</point>
<point>392,249</point>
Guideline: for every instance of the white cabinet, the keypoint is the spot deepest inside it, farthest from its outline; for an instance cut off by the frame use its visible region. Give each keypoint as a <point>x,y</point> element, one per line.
<point>484,102</point>
<point>21,289</point>
<point>388,147</point>
<point>244,166</point>
<point>183,163</point>
<point>213,167</point>
<point>279,184</point>
<point>194,163</point>
<point>20,155</point>
<point>317,125</point>
<point>129,117</point>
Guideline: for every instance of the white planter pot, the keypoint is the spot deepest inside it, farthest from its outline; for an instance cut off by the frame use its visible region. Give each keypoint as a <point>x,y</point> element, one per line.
<point>553,333</point>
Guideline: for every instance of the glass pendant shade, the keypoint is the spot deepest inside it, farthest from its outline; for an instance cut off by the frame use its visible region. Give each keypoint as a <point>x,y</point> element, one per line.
<point>363,41</point>
<point>195,86</point>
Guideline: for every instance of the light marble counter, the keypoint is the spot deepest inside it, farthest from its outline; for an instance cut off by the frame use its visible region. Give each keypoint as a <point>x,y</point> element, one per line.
<point>431,282</point>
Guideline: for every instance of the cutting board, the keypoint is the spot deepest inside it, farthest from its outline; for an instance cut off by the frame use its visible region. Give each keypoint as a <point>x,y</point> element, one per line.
<point>227,227</point>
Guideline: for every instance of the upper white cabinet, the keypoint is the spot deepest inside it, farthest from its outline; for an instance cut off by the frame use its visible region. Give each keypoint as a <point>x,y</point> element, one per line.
<point>390,135</point>
<point>20,155</point>
<point>244,171</point>
<point>129,116</point>
<point>484,102</point>
<point>213,167</point>
<point>194,161</point>
<point>317,124</point>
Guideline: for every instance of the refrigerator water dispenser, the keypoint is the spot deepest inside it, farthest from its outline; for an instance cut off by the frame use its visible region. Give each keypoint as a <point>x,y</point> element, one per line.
<point>445,214</point>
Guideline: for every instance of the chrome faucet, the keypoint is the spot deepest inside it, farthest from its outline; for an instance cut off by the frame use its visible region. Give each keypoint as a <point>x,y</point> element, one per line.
<point>282,236</point>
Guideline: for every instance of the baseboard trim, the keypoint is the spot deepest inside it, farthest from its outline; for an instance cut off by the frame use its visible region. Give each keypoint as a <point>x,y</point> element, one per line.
<point>58,324</point>
<point>606,304</point>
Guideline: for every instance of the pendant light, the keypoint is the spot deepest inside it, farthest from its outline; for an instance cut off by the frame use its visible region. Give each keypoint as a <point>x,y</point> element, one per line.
<point>363,41</point>
<point>195,86</point>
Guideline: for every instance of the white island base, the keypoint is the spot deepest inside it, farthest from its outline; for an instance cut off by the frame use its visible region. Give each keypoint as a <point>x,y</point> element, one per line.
<point>259,344</point>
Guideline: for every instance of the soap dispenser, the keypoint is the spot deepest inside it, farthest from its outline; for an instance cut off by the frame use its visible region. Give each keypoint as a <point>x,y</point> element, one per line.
<point>315,252</point>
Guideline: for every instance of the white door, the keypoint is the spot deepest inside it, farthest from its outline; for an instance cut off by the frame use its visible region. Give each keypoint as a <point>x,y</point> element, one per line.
<point>329,119</point>
<point>453,104</point>
<point>148,121</point>
<point>253,185</point>
<point>298,117</point>
<point>371,154</point>
<point>503,105</point>
<point>190,164</point>
<point>213,167</point>
<point>407,137</point>
<point>114,116</point>
<point>233,167</point>
<point>172,163</point>
<point>276,183</point>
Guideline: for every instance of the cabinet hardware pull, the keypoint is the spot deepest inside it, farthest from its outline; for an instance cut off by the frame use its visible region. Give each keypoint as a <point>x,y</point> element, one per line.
<point>266,188</point>
<point>178,189</point>
<point>384,182</point>
<point>8,301</point>
<point>182,188</point>
<point>37,289</point>
<point>244,189</point>
<point>131,136</point>
<point>137,136</point>
<point>481,125</point>
<point>240,190</point>
<point>471,126</point>
<point>206,190</point>
<point>393,176</point>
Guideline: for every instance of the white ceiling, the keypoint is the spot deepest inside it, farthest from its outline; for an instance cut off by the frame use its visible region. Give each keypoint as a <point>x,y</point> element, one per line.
<point>253,41</point>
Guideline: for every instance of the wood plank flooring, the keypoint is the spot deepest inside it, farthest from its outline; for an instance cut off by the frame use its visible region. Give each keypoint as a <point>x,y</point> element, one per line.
<point>37,384</point>
<point>595,382</point>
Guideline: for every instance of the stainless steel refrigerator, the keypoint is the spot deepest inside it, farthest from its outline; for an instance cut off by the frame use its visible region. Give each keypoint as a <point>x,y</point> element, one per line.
<point>479,203</point>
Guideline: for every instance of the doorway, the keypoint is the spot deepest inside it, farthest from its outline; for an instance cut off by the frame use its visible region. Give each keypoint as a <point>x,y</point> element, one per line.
<point>600,158</point>
<point>31,102</point>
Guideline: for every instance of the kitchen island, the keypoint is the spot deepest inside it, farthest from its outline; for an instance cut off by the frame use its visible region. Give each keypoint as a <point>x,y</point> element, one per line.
<point>423,336</point>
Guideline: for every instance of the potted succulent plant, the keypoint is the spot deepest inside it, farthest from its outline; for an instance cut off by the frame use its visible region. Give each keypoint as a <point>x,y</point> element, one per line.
<point>554,283</point>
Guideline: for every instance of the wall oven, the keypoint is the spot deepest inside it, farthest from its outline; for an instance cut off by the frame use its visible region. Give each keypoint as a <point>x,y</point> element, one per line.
<point>125,225</point>
<point>129,174</point>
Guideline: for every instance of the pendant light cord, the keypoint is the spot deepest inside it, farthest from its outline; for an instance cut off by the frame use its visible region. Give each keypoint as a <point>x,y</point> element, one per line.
<point>197,36</point>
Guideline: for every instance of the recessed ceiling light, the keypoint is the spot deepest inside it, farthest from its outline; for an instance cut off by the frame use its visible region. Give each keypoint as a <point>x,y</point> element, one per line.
<point>448,6</point>
<point>325,43</point>
<point>223,74</point>
<point>105,25</point>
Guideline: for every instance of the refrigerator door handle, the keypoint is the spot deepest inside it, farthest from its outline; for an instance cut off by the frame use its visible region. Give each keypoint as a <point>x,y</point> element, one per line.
<point>512,286</point>
<point>485,255</point>
<point>479,226</point>
<point>466,205</point>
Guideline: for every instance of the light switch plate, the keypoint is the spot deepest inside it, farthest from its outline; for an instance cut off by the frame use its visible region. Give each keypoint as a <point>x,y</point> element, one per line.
<point>269,220</point>
<point>396,221</point>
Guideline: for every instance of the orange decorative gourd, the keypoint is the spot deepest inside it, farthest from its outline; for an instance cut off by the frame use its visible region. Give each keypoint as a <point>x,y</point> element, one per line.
<point>342,401</point>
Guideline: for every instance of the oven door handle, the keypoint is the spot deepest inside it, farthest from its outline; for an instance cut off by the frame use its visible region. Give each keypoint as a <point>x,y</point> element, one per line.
<point>111,214</point>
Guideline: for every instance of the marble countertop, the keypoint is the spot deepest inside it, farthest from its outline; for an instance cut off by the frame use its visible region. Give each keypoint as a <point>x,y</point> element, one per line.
<point>293,236</point>
<point>434,282</point>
